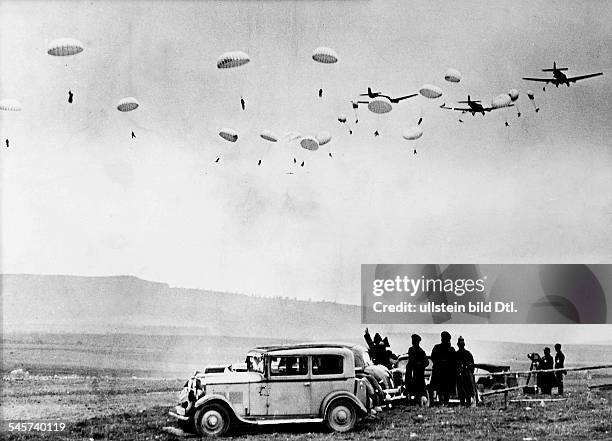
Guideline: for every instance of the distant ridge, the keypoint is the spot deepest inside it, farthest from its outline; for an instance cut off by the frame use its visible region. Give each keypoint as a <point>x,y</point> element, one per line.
<point>62,303</point>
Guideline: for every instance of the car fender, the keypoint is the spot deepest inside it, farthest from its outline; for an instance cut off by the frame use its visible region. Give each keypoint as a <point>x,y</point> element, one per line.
<point>214,398</point>
<point>342,394</point>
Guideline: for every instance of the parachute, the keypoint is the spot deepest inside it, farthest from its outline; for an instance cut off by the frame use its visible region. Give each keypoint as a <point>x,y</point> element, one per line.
<point>342,120</point>
<point>531,97</point>
<point>10,105</point>
<point>502,100</point>
<point>309,143</point>
<point>513,94</point>
<point>413,133</point>
<point>268,136</point>
<point>323,137</point>
<point>229,135</point>
<point>380,104</point>
<point>430,91</point>
<point>127,104</point>
<point>452,75</point>
<point>231,59</point>
<point>325,55</point>
<point>65,46</point>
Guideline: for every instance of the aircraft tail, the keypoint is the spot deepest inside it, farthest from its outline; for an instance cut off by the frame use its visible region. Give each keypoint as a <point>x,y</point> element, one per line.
<point>554,68</point>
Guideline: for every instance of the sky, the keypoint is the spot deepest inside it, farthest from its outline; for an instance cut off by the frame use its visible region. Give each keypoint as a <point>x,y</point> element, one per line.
<point>79,196</point>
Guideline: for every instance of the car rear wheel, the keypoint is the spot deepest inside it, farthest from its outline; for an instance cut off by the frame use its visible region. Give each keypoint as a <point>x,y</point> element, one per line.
<point>341,416</point>
<point>212,420</point>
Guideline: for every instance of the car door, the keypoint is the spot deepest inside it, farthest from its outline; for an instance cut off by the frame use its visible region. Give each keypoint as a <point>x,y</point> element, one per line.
<point>329,373</point>
<point>289,386</point>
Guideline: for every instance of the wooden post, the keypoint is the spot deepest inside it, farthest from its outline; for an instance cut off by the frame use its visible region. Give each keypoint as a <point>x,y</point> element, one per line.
<point>506,400</point>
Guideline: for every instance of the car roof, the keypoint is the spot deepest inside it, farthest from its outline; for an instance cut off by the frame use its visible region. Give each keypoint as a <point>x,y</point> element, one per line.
<point>307,345</point>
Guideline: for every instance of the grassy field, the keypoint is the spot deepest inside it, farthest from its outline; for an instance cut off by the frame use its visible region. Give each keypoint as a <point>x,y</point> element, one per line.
<point>121,387</point>
<point>130,408</point>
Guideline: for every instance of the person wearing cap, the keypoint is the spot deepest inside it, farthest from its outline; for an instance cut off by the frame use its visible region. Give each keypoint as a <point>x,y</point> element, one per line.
<point>443,371</point>
<point>546,380</point>
<point>559,364</point>
<point>415,371</point>
<point>466,386</point>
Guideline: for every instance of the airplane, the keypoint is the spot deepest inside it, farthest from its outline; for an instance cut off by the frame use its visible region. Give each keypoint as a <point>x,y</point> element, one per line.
<point>559,77</point>
<point>474,107</point>
<point>371,94</point>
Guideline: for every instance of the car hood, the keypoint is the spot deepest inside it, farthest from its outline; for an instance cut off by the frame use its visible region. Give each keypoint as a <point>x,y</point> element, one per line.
<point>233,378</point>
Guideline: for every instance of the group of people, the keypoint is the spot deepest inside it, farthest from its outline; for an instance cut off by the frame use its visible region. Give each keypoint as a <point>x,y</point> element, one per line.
<point>547,380</point>
<point>452,370</point>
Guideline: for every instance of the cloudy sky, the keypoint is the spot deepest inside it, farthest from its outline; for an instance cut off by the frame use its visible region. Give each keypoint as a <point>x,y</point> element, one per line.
<point>79,196</point>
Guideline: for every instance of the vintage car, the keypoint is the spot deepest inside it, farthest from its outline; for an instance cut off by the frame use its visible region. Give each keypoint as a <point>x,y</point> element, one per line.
<point>283,384</point>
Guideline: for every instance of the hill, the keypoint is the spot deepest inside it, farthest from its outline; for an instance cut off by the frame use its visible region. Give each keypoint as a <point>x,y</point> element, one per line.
<point>58,303</point>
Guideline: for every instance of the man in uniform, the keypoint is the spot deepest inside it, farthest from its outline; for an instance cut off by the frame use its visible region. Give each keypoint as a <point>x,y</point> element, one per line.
<point>466,386</point>
<point>443,370</point>
<point>415,371</point>
<point>559,364</point>
<point>546,380</point>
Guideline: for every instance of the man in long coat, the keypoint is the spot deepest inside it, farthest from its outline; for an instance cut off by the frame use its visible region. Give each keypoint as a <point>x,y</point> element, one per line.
<point>443,370</point>
<point>466,386</point>
<point>415,371</point>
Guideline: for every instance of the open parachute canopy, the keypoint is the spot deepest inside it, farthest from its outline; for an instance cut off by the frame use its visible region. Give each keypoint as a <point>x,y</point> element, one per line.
<point>530,94</point>
<point>293,135</point>
<point>309,143</point>
<point>380,104</point>
<point>412,133</point>
<point>342,118</point>
<point>229,135</point>
<point>452,75</point>
<point>430,91</point>
<point>10,105</point>
<point>232,59</point>
<point>127,104</point>
<point>268,136</point>
<point>62,47</point>
<point>513,94</point>
<point>323,137</point>
<point>501,100</point>
<point>325,55</point>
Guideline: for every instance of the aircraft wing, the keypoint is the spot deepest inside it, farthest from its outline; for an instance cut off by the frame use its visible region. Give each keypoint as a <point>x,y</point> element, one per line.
<point>395,100</point>
<point>541,80</point>
<point>582,77</point>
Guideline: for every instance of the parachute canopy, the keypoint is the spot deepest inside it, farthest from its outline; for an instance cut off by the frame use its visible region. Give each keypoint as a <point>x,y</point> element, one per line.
<point>530,94</point>
<point>502,100</point>
<point>380,104</point>
<point>452,75</point>
<point>412,133</point>
<point>127,104</point>
<point>293,135</point>
<point>513,94</point>
<point>10,105</point>
<point>342,118</point>
<point>268,136</point>
<point>323,137</point>
<point>65,46</point>
<point>229,135</point>
<point>325,55</point>
<point>232,59</point>
<point>309,143</point>
<point>430,91</point>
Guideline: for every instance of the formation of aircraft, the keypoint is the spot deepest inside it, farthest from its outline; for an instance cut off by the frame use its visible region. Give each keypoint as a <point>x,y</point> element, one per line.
<point>559,77</point>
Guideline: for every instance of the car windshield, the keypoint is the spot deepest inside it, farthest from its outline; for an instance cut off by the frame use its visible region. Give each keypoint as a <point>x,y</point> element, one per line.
<point>255,363</point>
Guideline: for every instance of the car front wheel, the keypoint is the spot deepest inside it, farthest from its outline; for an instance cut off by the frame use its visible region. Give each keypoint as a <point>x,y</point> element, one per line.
<point>212,420</point>
<point>341,416</point>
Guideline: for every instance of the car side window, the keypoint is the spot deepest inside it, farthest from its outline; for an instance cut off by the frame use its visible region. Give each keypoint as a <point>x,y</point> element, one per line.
<point>327,364</point>
<point>288,365</point>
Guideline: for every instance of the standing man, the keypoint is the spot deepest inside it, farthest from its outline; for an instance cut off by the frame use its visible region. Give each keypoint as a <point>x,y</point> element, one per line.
<point>443,370</point>
<point>466,386</point>
<point>559,364</point>
<point>415,371</point>
<point>546,380</point>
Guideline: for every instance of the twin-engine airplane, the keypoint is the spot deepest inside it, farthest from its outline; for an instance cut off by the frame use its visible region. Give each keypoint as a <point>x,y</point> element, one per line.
<point>560,78</point>
<point>473,107</point>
